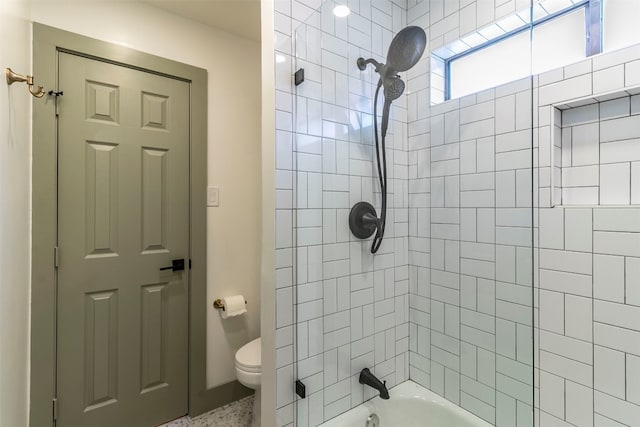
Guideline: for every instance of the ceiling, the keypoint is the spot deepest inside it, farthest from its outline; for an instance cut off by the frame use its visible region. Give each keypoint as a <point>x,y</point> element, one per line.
<point>239,17</point>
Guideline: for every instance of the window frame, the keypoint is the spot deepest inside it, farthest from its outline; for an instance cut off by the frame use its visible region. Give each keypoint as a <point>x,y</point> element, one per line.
<point>593,36</point>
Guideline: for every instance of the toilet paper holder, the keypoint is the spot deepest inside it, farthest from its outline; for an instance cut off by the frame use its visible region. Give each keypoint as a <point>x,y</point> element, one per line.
<point>217,304</point>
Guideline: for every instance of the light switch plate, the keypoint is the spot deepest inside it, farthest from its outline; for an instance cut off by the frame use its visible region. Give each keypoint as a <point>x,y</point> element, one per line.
<point>213,196</point>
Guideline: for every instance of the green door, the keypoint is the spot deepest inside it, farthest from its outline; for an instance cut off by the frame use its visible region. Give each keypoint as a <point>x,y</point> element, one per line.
<point>123,197</point>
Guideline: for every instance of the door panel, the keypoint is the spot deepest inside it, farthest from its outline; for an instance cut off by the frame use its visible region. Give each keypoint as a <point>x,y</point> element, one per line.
<point>123,194</point>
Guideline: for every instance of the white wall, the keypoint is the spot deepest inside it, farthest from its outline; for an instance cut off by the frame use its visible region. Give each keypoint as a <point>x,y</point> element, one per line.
<point>233,151</point>
<point>15,177</point>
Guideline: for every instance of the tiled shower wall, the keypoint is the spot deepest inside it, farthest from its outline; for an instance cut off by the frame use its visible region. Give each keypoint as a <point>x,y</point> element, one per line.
<point>470,222</point>
<point>466,210</point>
<point>600,162</point>
<point>339,308</point>
<point>589,256</point>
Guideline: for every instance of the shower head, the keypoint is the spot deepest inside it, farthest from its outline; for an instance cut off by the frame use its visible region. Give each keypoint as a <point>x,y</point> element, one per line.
<point>406,48</point>
<point>393,88</point>
<point>405,51</point>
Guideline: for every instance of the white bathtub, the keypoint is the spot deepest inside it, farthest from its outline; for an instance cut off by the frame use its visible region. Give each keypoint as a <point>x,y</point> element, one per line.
<point>410,405</point>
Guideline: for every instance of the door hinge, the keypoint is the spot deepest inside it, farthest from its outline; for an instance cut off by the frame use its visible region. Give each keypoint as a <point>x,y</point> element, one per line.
<point>56,257</point>
<point>55,410</point>
<point>298,77</point>
<point>301,389</point>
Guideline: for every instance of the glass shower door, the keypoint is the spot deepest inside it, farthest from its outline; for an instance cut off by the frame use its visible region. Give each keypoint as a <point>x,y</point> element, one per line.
<point>447,301</point>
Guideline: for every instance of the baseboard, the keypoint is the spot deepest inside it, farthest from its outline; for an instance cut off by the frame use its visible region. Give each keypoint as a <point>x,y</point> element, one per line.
<point>218,396</point>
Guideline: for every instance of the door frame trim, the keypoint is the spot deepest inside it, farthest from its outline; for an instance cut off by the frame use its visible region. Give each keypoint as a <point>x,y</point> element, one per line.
<point>47,41</point>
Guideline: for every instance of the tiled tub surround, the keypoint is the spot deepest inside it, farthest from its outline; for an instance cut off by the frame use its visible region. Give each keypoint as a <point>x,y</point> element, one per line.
<point>589,256</point>
<point>600,144</point>
<point>469,247</point>
<point>346,308</point>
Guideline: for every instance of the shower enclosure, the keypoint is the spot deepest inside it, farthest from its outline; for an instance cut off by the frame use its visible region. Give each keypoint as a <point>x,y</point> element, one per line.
<point>508,280</point>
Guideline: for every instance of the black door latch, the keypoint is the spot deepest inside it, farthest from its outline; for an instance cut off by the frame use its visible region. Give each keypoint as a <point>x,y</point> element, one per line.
<point>176,265</point>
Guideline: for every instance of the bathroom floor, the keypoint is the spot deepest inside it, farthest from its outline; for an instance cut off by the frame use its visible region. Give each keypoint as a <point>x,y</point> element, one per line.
<point>236,414</point>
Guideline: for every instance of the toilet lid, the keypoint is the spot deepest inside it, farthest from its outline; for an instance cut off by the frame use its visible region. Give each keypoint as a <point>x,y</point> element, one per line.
<point>249,357</point>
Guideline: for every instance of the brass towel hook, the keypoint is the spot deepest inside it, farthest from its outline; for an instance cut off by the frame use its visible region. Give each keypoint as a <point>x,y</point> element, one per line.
<point>13,77</point>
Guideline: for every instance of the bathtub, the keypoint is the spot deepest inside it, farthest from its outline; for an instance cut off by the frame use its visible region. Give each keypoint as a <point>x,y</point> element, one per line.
<point>410,405</point>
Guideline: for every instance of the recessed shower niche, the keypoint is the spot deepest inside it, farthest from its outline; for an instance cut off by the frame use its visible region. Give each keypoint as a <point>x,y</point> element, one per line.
<point>596,154</point>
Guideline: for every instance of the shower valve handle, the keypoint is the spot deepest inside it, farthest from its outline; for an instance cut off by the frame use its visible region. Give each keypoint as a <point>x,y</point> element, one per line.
<point>363,220</point>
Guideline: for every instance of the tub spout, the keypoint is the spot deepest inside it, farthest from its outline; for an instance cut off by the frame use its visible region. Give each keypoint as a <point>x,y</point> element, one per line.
<point>366,377</point>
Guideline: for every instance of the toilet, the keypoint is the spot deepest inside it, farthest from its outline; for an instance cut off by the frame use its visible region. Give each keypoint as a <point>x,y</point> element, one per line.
<point>249,372</point>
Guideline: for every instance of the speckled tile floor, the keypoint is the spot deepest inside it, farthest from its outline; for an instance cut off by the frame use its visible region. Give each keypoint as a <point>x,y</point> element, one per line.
<point>236,414</point>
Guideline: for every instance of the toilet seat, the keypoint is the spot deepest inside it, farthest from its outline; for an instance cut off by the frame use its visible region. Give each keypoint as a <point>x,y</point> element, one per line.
<point>249,357</point>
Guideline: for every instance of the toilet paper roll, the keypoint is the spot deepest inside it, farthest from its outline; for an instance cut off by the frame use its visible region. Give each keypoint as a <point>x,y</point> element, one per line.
<point>233,306</point>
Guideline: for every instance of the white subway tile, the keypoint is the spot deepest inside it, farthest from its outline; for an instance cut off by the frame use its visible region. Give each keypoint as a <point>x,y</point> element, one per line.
<point>622,315</point>
<point>576,284</point>
<point>620,151</point>
<point>616,57</point>
<point>552,394</point>
<point>619,129</point>
<point>609,371</point>
<point>608,79</point>
<point>486,227</point>
<point>579,404</point>
<point>519,159</point>
<point>505,114</point>
<point>579,115</point>
<point>633,376</point>
<point>505,189</point>
<point>485,154</point>
<point>616,243</point>
<point>632,279</point>
<point>524,188</point>
<point>479,129</point>
<point>585,145</point>
<point>608,278</point>
<point>635,183</point>
<point>572,262</point>
<point>580,196</point>
<point>477,181</point>
<point>616,409</point>
<point>615,108</point>
<point>578,317</point>
<point>578,230</point>
<point>479,199</point>
<point>477,112</point>
<point>621,339</point>
<point>631,70</point>
<point>573,370</point>
<point>564,90</point>
<point>585,176</point>
<point>552,311</point>
<point>552,228</point>
<point>623,220</point>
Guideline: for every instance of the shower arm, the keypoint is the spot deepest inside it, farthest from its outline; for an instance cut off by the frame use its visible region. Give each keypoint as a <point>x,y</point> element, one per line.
<point>362,63</point>
<point>383,70</point>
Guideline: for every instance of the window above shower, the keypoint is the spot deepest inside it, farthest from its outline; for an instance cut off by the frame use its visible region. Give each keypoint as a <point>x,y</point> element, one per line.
<point>547,36</point>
